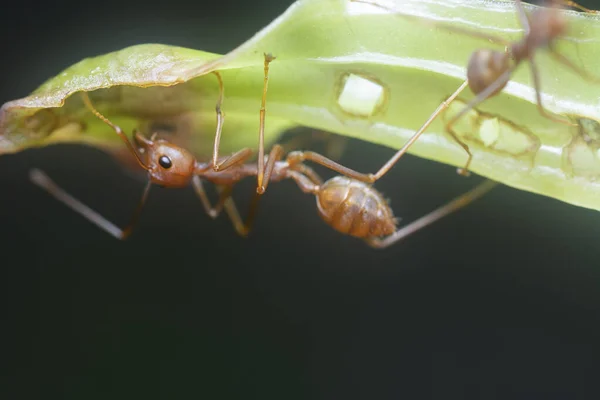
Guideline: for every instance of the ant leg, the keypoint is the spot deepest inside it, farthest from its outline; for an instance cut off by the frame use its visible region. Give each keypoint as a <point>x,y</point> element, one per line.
<point>42,180</point>
<point>225,202</point>
<point>117,129</point>
<point>567,3</point>
<point>538,95</point>
<point>212,211</point>
<point>274,155</point>
<point>308,173</point>
<point>242,228</point>
<point>480,98</point>
<point>445,104</point>
<point>569,64</point>
<point>464,171</point>
<point>304,182</point>
<point>237,157</point>
<point>433,216</point>
<point>260,189</point>
<point>523,19</point>
<point>297,157</point>
<point>220,121</point>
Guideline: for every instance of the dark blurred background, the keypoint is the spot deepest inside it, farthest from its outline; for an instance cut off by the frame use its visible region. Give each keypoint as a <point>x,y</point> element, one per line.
<point>498,301</point>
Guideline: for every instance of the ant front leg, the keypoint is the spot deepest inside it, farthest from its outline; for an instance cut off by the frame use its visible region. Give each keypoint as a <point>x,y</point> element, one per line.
<point>42,180</point>
<point>260,176</point>
<point>237,157</point>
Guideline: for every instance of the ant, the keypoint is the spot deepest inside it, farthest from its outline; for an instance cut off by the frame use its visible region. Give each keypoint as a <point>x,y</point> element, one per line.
<point>488,71</point>
<point>348,205</point>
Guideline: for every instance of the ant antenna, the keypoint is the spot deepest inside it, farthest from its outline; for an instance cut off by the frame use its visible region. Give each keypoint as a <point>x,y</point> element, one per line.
<point>117,129</point>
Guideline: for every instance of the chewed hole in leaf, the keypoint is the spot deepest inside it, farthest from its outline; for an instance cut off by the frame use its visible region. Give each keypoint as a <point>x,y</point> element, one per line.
<point>493,132</point>
<point>360,96</point>
<point>582,155</point>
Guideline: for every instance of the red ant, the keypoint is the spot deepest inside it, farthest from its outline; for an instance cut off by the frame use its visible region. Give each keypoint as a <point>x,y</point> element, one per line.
<point>488,71</point>
<point>349,205</point>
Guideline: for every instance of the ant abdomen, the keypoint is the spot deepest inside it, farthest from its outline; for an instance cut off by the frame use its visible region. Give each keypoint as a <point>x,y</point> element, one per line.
<point>354,208</point>
<point>484,68</point>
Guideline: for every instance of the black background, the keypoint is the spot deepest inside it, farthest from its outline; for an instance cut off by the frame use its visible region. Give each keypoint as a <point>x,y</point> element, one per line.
<point>498,301</point>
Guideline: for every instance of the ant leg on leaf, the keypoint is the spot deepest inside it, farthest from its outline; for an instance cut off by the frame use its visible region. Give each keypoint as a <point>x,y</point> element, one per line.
<point>480,98</point>
<point>450,207</point>
<point>535,75</point>
<point>237,157</point>
<point>260,176</point>
<point>572,4</point>
<point>42,180</point>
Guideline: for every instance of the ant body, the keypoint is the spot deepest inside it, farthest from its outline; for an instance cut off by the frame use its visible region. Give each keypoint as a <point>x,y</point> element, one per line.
<point>349,205</point>
<point>488,71</point>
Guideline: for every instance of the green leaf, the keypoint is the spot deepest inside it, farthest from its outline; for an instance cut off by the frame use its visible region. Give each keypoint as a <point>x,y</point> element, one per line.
<point>143,87</point>
<point>324,49</point>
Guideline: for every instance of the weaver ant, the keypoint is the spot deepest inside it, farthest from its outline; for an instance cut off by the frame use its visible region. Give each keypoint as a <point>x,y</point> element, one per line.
<point>489,71</point>
<point>348,205</point>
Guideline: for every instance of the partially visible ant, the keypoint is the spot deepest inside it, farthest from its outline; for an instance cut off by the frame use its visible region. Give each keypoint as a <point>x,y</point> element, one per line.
<point>167,165</point>
<point>488,71</point>
<point>348,205</point>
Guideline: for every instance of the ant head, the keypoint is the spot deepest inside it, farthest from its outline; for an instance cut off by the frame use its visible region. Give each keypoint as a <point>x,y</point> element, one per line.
<point>485,67</point>
<point>168,165</point>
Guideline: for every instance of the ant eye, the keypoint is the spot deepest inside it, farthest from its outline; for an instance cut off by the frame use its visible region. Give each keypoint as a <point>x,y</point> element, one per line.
<point>165,162</point>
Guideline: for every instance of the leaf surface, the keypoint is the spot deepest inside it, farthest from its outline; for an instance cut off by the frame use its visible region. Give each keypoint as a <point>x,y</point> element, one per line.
<point>352,69</point>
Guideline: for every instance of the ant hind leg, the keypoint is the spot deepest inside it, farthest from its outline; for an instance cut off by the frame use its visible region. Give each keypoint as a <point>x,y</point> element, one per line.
<point>437,214</point>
